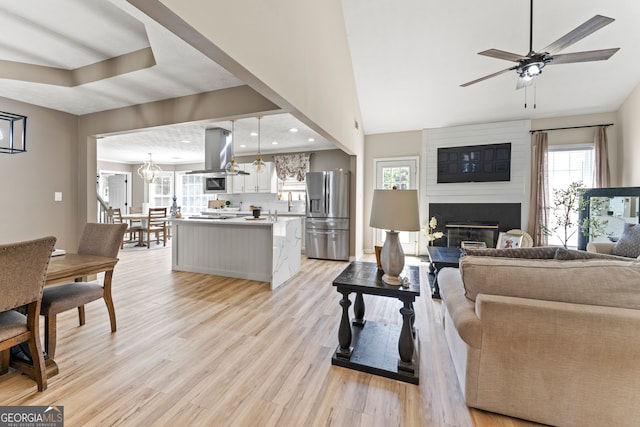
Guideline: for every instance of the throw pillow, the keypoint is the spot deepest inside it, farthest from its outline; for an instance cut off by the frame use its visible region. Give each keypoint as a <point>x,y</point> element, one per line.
<point>629,243</point>
<point>570,254</point>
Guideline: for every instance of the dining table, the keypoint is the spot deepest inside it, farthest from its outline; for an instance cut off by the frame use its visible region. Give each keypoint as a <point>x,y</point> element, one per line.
<point>69,268</point>
<point>143,218</point>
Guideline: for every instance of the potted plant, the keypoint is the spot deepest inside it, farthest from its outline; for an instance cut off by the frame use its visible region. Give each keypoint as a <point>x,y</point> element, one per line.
<point>567,203</point>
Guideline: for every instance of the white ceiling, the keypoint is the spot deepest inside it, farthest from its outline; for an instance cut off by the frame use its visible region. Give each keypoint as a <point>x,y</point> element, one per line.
<point>409,59</point>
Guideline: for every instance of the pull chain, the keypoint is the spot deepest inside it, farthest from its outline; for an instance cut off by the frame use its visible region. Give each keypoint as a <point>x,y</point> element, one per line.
<point>525,97</point>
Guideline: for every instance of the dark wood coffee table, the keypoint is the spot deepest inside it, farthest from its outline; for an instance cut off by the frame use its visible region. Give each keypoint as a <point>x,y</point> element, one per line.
<point>386,349</point>
<point>440,257</point>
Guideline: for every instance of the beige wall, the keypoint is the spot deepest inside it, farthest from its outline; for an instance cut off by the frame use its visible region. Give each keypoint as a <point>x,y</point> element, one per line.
<point>629,138</point>
<point>30,179</point>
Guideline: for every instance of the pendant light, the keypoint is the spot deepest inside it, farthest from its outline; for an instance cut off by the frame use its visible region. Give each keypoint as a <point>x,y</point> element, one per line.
<point>149,171</point>
<point>231,168</point>
<point>258,164</point>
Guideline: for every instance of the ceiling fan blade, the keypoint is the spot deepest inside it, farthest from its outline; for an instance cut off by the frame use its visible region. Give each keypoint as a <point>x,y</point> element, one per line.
<point>591,55</point>
<point>524,82</point>
<point>501,54</point>
<point>488,77</point>
<point>582,31</point>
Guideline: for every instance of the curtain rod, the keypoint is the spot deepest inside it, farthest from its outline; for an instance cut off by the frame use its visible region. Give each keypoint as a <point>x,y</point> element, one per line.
<point>573,127</point>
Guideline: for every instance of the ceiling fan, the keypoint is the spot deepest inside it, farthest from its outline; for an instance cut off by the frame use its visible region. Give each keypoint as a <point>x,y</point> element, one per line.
<point>529,66</point>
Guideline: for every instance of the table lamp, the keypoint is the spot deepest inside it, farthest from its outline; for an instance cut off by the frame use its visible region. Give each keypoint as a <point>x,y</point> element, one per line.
<point>394,210</point>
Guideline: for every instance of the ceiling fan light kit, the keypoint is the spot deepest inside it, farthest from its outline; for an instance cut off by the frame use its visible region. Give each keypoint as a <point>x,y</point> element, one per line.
<point>531,65</point>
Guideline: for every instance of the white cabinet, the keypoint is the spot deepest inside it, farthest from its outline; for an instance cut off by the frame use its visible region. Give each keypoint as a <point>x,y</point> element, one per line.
<point>264,182</point>
<point>237,181</point>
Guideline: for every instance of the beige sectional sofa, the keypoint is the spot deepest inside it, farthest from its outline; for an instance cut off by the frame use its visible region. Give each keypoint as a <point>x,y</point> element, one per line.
<point>556,341</point>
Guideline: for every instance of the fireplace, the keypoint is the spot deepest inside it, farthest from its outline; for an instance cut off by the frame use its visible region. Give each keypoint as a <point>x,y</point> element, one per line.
<point>477,222</point>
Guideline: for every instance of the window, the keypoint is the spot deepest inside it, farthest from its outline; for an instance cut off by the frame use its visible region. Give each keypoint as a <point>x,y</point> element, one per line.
<point>567,165</point>
<point>396,176</point>
<point>292,185</point>
<point>291,170</point>
<point>161,192</point>
<point>190,195</point>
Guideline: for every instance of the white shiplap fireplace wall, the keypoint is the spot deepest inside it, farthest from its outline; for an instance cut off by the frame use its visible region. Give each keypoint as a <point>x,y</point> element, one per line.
<point>514,191</point>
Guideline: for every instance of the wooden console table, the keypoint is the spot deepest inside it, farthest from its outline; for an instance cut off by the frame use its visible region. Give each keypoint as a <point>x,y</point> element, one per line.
<point>384,349</point>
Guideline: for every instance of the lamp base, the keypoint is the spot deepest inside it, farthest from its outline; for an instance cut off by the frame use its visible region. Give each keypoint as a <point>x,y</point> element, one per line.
<point>392,259</point>
<point>392,280</point>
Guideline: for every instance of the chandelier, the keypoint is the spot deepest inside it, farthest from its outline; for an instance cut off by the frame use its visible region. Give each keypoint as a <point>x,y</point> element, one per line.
<point>258,164</point>
<point>149,171</point>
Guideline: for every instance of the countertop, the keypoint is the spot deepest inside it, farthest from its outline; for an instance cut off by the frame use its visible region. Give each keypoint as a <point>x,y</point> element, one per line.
<point>239,220</point>
<point>249,213</point>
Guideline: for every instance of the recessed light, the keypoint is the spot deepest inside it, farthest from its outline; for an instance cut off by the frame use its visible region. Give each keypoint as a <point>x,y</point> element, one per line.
<point>176,158</point>
<point>274,143</point>
<point>293,130</point>
<point>254,134</point>
<point>311,139</point>
<point>243,146</point>
<point>186,141</point>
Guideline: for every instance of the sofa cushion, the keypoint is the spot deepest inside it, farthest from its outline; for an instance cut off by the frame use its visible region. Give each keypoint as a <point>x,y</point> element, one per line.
<point>570,254</point>
<point>593,281</point>
<point>629,243</point>
<point>540,252</point>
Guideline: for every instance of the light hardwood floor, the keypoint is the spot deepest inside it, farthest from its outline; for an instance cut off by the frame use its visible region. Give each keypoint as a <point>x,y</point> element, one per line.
<point>201,350</point>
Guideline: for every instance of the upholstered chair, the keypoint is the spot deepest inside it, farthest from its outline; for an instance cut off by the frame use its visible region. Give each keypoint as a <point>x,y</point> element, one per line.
<point>23,270</point>
<point>96,239</point>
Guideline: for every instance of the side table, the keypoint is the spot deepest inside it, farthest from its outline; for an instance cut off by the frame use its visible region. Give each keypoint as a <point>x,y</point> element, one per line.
<point>384,349</point>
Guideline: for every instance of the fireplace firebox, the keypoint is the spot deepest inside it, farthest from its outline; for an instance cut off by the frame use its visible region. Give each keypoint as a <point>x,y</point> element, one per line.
<point>458,233</point>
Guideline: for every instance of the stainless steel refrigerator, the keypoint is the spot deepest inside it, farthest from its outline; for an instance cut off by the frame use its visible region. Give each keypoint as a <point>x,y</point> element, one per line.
<point>327,215</point>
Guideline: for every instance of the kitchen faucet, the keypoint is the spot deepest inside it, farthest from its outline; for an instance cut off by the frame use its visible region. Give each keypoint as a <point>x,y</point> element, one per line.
<point>290,197</point>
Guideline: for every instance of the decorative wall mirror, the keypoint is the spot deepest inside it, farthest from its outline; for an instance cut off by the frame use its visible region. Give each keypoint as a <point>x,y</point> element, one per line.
<point>612,207</point>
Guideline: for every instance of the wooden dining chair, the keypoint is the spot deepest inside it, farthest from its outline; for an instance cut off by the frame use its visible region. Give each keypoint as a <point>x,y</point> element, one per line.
<point>132,232</point>
<point>96,239</point>
<point>156,224</point>
<point>135,210</point>
<point>23,270</point>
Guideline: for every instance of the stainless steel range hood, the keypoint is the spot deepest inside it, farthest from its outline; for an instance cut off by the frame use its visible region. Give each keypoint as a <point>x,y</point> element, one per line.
<point>218,149</point>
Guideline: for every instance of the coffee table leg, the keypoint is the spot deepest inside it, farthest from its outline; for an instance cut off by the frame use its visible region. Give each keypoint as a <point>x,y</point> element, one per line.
<point>435,293</point>
<point>344,331</point>
<point>405,342</point>
<point>358,310</point>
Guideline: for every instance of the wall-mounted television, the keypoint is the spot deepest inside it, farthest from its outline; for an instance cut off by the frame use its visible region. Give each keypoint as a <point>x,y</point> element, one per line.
<point>475,163</point>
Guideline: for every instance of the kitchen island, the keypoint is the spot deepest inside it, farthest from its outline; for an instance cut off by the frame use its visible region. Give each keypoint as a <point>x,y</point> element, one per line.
<point>241,247</point>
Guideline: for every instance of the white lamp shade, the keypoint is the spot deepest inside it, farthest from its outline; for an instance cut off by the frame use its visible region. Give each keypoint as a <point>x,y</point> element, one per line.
<point>395,210</point>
